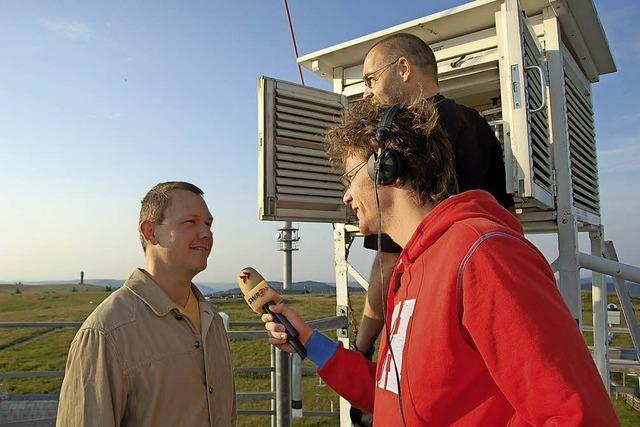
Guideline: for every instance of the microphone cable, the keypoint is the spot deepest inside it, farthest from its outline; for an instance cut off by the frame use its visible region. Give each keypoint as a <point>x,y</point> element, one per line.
<point>384,299</point>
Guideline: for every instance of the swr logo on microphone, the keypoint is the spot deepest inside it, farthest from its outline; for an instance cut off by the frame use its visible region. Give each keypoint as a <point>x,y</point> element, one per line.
<point>259,294</point>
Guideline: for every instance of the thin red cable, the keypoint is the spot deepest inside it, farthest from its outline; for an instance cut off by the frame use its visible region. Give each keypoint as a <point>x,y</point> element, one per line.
<point>293,39</point>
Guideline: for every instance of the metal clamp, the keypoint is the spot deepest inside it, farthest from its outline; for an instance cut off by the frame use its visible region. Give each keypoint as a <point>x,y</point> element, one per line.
<point>343,311</point>
<point>542,87</point>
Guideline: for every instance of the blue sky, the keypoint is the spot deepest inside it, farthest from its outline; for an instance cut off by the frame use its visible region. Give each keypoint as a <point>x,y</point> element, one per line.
<point>102,100</point>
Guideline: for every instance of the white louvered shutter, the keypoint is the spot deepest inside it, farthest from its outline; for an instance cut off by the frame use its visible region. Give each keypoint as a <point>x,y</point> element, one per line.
<point>295,180</point>
<point>524,107</point>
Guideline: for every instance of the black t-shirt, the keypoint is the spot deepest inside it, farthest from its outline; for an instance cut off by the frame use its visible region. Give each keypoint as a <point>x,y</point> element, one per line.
<point>478,157</point>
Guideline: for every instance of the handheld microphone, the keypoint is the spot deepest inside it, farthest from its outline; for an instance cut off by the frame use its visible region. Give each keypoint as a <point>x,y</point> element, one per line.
<point>260,295</point>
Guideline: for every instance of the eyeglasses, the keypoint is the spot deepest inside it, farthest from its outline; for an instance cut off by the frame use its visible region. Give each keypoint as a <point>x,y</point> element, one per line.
<point>347,177</point>
<point>371,78</point>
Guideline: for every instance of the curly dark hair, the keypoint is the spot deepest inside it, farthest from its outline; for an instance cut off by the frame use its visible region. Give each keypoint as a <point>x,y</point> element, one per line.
<point>416,134</point>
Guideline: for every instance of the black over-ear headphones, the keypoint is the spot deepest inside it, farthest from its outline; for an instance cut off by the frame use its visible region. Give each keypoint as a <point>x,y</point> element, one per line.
<point>387,163</point>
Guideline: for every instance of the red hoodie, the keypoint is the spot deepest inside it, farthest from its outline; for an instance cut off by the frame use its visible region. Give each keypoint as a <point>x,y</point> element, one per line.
<point>479,332</point>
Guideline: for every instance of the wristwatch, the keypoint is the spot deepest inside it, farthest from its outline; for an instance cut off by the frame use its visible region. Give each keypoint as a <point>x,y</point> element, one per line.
<point>368,355</point>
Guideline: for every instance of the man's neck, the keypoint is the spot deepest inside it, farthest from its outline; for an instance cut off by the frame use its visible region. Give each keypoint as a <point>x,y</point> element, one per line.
<point>177,288</point>
<point>403,219</point>
<point>425,89</point>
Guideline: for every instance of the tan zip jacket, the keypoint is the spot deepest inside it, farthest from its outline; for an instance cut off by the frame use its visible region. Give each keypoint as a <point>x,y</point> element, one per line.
<point>137,361</point>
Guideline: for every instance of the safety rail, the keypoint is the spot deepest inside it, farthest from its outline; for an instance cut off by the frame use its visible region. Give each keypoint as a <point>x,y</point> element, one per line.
<point>322,324</point>
<point>631,400</point>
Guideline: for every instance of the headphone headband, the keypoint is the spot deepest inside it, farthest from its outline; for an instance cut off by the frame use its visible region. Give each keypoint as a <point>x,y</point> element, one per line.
<point>383,131</point>
<point>386,166</point>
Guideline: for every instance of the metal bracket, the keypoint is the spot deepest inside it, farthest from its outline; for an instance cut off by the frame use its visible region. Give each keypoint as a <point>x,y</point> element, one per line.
<point>270,207</point>
<point>515,86</point>
<point>342,310</point>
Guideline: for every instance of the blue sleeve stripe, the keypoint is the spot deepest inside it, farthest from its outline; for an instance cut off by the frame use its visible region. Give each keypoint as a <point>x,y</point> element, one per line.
<point>320,348</point>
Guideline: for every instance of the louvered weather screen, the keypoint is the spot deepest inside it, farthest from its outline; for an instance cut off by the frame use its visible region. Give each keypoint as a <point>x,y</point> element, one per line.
<point>538,121</point>
<point>524,108</point>
<point>582,143</point>
<point>295,180</point>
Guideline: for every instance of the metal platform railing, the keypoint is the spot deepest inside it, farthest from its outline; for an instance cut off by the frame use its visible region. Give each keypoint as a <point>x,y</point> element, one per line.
<point>336,322</point>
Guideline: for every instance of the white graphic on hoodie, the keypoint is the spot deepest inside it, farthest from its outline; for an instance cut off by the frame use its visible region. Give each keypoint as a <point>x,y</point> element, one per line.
<point>402,313</point>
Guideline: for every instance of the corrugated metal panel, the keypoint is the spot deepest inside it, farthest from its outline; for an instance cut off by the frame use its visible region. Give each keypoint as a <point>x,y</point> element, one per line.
<point>296,181</point>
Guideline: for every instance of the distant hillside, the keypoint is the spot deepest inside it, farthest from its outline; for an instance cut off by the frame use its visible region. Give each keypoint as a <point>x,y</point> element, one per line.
<point>634,288</point>
<point>307,286</point>
<point>207,288</point>
<point>59,287</point>
<point>98,282</point>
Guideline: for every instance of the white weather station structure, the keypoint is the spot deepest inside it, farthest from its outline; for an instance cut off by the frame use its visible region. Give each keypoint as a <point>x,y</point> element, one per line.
<point>527,66</point>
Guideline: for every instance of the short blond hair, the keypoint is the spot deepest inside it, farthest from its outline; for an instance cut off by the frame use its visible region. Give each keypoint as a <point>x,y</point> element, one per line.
<point>157,200</point>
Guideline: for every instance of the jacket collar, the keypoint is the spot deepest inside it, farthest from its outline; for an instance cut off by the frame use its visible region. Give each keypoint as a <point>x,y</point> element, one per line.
<point>150,293</point>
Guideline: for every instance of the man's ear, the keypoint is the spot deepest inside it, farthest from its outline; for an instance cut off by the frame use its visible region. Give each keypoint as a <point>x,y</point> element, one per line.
<point>146,228</point>
<point>405,68</point>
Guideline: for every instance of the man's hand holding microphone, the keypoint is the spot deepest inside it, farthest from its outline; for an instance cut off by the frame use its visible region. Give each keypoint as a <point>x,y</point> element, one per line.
<point>277,332</point>
<point>286,329</point>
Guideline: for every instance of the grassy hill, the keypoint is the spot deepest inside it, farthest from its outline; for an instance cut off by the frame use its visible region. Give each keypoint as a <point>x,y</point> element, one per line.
<point>41,349</point>
<point>45,349</point>
<point>57,288</point>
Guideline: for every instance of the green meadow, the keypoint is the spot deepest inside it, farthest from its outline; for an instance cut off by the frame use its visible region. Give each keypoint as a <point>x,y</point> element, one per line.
<point>45,349</point>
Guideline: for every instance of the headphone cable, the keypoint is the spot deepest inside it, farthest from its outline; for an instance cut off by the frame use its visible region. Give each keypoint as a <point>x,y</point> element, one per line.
<point>384,299</point>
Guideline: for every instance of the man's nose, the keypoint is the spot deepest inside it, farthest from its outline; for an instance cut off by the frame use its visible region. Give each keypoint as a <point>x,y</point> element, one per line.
<point>205,231</point>
<point>367,92</point>
<point>346,198</point>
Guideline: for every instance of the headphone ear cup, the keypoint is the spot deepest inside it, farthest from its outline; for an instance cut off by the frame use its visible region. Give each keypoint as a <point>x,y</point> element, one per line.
<point>390,167</point>
<point>371,166</point>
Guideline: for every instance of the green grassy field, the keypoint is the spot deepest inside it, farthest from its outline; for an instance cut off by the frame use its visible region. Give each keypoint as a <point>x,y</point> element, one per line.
<point>43,349</point>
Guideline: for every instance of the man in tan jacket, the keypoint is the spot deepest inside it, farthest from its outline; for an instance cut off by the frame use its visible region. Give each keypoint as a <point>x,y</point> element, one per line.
<point>155,352</point>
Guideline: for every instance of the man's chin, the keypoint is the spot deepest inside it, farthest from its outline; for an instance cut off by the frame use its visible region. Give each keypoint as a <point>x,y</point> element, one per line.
<point>366,230</point>
<point>198,267</point>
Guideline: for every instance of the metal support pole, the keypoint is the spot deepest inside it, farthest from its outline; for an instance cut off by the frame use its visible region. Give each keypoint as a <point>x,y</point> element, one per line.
<point>296,386</point>
<point>342,300</point>
<point>599,301</point>
<point>273,387</point>
<point>625,301</point>
<point>287,238</point>
<point>283,389</point>
<point>286,270</point>
<point>287,260</point>
<point>567,262</point>
<point>609,267</point>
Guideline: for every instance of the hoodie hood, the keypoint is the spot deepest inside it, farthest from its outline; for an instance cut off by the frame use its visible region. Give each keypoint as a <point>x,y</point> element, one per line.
<point>477,204</point>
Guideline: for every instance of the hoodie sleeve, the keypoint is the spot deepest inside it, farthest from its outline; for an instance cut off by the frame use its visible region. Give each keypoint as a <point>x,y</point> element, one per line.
<point>351,376</point>
<point>531,345</point>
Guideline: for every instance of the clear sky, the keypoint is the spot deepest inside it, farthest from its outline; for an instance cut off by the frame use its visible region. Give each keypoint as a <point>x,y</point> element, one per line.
<point>99,101</point>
